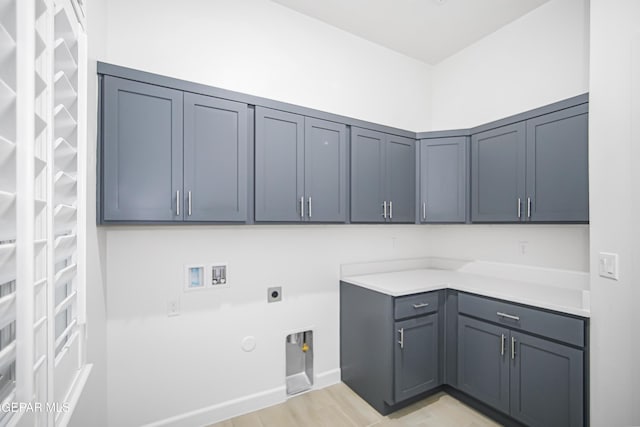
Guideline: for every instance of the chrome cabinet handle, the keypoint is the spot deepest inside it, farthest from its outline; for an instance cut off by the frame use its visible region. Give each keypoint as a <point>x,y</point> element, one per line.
<point>401,342</point>
<point>508,316</point>
<point>302,207</point>
<point>513,348</point>
<point>384,209</point>
<point>309,206</point>
<point>178,203</point>
<point>424,211</point>
<point>528,207</point>
<point>189,197</point>
<point>422,304</point>
<point>390,210</point>
<point>519,208</point>
<point>502,346</point>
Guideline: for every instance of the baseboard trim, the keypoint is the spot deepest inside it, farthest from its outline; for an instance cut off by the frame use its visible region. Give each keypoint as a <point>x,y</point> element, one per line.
<point>243,405</point>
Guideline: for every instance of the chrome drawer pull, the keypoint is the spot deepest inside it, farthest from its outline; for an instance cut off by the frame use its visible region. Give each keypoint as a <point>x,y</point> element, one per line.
<point>424,304</point>
<point>508,316</point>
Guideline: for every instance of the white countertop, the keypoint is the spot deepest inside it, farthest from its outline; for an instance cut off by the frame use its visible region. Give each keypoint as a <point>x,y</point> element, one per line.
<point>567,300</point>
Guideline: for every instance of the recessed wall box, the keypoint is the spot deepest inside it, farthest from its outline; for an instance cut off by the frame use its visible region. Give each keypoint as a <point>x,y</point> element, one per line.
<point>194,277</point>
<point>218,274</point>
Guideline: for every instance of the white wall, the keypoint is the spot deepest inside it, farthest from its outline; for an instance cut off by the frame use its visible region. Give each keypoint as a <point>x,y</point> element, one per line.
<point>262,48</point>
<point>161,367</point>
<point>613,173</point>
<point>92,407</point>
<point>536,60</point>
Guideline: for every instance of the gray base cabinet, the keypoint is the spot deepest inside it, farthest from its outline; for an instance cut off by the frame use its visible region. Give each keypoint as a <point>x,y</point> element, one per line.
<point>536,380</point>
<point>389,347</point>
<point>532,171</point>
<point>416,356</point>
<point>382,177</point>
<point>483,364</point>
<point>443,180</point>
<point>547,382</point>
<point>526,365</point>
<point>301,168</point>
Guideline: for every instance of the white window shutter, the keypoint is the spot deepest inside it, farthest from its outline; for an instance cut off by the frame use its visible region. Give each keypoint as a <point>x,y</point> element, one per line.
<point>42,239</point>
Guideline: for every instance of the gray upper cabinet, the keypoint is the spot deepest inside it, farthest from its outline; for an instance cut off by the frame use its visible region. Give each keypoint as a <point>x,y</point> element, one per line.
<point>400,178</point>
<point>557,166</point>
<point>325,171</point>
<point>215,159</point>
<point>498,175</point>
<point>279,162</point>
<point>483,363</point>
<point>382,177</point>
<point>533,171</point>
<point>141,152</point>
<point>547,383</point>
<point>416,356</point>
<point>443,180</point>
<point>367,175</point>
<point>300,168</point>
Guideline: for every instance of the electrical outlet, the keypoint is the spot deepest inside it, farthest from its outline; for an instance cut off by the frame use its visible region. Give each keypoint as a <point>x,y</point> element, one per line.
<point>274,294</point>
<point>173,307</point>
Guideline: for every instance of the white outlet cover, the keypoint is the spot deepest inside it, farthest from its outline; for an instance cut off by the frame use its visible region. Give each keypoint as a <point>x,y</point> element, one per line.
<point>608,265</point>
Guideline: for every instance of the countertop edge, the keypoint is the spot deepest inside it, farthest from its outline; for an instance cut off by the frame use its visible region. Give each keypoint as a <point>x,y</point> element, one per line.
<point>575,311</point>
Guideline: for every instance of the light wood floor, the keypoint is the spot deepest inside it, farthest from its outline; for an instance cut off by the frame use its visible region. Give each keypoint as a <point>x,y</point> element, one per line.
<point>339,406</point>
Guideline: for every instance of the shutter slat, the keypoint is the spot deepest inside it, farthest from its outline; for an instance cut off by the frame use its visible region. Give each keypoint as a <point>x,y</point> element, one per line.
<point>7,150</point>
<point>64,92</point>
<point>65,275</point>
<point>65,155</point>
<point>64,58</point>
<point>7,262</point>
<point>65,246</point>
<point>40,47</point>
<point>40,125</point>
<point>64,219</point>
<point>7,310</point>
<point>66,303</point>
<point>65,124</point>
<point>64,30</point>
<point>39,165</point>
<point>7,216</point>
<point>65,189</point>
<point>7,356</point>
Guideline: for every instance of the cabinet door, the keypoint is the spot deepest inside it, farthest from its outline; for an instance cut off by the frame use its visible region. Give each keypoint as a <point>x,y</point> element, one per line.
<point>443,180</point>
<point>416,356</point>
<point>401,178</point>
<point>325,169</point>
<point>141,152</point>
<point>557,166</point>
<point>547,386</point>
<point>215,159</point>
<point>498,174</point>
<point>483,364</point>
<point>367,175</point>
<point>279,160</point>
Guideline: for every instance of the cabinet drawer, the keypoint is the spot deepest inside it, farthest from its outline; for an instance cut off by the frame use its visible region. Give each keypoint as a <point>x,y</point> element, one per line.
<point>415,305</point>
<point>551,325</point>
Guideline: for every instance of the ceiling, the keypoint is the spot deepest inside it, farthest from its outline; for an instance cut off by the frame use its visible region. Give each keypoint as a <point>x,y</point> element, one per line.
<point>427,30</point>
